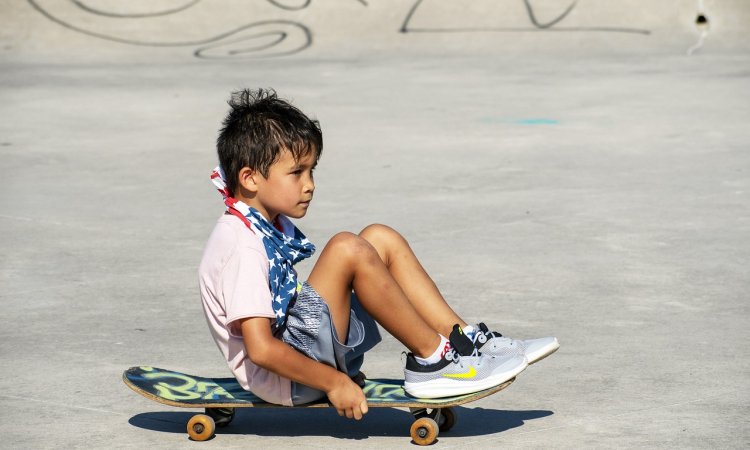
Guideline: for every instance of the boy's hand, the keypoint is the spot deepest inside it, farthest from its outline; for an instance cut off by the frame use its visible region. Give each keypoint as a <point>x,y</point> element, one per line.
<point>347,398</point>
<point>272,354</point>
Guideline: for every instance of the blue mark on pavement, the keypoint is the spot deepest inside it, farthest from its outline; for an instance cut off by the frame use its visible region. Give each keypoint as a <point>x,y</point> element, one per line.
<point>537,122</point>
<point>527,121</point>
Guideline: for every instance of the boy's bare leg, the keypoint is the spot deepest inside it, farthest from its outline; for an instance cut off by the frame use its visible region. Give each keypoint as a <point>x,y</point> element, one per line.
<point>349,261</point>
<point>405,268</point>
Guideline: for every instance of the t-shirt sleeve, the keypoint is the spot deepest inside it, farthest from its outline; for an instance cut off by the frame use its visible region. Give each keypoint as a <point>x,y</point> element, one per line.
<point>245,287</point>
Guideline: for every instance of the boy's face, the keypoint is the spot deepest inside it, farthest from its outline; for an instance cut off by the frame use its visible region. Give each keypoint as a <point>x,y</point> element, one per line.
<point>288,190</point>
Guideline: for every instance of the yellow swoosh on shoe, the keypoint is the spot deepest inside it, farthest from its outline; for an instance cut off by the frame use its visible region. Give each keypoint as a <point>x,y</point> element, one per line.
<point>470,374</point>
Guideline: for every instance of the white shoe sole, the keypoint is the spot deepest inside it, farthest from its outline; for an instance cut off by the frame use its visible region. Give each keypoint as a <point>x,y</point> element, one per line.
<point>447,387</point>
<point>543,352</point>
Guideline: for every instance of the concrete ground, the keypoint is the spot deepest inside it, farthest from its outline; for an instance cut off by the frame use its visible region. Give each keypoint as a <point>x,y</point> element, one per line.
<point>594,192</point>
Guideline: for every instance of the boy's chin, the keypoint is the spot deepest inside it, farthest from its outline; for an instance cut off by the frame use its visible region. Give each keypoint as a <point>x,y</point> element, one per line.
<point>297,215</point>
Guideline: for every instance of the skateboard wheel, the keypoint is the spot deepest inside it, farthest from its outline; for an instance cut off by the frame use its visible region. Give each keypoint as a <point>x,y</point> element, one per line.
<point>201,427</point>
<point>424,431</point>
<point>447,419</point>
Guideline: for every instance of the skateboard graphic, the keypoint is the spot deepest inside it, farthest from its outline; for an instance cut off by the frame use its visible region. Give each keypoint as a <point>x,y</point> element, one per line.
<point>221,395</point>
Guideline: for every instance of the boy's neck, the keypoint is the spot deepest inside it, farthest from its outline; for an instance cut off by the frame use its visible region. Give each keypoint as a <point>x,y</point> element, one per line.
<point>253,203</point>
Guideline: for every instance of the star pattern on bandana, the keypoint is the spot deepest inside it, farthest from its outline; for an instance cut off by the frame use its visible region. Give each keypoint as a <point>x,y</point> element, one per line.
<point>283,248</point>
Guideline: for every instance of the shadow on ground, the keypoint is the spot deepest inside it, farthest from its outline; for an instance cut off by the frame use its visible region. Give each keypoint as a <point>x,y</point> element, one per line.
<point>316,422</point>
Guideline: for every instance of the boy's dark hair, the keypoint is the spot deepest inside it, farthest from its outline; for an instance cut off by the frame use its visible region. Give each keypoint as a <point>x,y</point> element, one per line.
<point>258,128</point>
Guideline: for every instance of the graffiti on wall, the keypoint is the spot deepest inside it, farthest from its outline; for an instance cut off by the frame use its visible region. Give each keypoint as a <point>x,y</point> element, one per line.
<point>133,23</point>
<point>493,22</point>
<point>261,38</point>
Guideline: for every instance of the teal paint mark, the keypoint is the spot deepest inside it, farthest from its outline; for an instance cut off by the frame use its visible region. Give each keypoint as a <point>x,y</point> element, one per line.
<point>529,121</point>
<point>537,122</point>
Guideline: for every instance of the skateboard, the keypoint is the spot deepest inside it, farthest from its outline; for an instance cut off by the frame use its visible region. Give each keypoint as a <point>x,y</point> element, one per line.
<point>221,395</point>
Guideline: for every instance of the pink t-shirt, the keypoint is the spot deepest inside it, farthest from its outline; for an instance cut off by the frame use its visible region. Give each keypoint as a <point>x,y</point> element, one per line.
<point>233,278</point>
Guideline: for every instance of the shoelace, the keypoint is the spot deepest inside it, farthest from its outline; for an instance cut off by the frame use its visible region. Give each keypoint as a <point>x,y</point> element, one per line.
<point>483,337</point>
<point>454,356</point>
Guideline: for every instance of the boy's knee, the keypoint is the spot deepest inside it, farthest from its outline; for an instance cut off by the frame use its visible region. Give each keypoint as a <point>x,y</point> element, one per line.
<point>382,236</point>
<point>351,246</point>
<point>377,231</point>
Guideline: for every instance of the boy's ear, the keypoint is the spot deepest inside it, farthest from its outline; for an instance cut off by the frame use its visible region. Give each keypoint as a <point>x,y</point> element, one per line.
<point>248,178</point>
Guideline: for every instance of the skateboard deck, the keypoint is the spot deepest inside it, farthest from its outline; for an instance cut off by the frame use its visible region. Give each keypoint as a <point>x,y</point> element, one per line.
<point>189,391</point>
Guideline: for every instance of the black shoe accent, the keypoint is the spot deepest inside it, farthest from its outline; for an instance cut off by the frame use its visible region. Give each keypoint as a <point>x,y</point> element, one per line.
<point>461,342</point>
<point>483,328</point>
<point>414,366</point>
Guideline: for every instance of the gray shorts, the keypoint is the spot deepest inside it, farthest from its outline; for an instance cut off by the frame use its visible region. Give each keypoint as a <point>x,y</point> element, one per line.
<point>310,330</point>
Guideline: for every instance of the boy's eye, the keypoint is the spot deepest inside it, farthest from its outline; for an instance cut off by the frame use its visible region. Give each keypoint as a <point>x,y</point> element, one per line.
<point>301,171</point>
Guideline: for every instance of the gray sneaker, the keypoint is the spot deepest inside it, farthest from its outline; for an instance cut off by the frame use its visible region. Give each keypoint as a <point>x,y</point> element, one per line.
<point>495,344</point>
<point>462,370</point>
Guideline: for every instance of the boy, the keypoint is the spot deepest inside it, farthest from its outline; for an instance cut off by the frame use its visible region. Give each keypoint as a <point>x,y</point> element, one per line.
<point>292,343</point>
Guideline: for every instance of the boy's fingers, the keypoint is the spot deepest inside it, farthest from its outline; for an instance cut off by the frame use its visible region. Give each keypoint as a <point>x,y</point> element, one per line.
<point>341,412</point>
<point>349,414</point>
<point>361,410</point>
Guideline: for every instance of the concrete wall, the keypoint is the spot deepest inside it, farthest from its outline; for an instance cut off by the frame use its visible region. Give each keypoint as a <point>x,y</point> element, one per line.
<point>96,30</point>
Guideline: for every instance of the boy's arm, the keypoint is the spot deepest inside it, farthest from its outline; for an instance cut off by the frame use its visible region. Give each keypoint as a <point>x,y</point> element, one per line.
<point>273,354</point>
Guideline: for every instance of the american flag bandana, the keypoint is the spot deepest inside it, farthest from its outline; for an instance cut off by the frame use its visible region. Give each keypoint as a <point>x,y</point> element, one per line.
<point>283,250</point>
